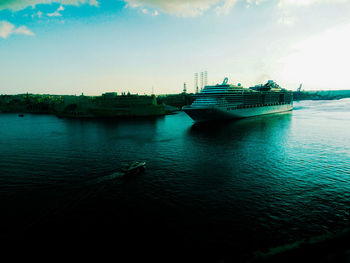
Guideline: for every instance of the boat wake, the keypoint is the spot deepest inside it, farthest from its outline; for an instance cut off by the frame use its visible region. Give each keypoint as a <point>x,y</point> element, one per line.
<point>107,178</point>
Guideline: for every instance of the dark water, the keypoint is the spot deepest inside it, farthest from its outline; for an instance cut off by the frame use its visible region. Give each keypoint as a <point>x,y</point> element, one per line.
<point>220,190</point>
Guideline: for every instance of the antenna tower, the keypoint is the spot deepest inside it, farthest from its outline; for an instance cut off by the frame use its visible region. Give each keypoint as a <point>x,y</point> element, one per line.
<point>202,80</point>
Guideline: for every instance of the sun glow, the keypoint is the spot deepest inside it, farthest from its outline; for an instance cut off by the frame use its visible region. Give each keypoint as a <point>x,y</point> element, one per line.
<point>320,62</point>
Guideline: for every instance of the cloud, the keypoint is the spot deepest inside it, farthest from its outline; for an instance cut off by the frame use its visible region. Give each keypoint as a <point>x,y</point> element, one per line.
<point>57,12</point>
<point>23,30</point>
<point>287,20</point>
<point>289,10</point>
<point>188,8</point>
<point>226,7</point>
<point>147,12</point>
<point>17,5</point>
<point>39,14</point>
<point>7,29</point>
<point>255,2</point>
<point>300,3</point>
<point>184,8</point>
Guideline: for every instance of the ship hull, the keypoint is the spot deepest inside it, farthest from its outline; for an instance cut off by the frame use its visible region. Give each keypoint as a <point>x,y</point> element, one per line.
<point>215,113</point>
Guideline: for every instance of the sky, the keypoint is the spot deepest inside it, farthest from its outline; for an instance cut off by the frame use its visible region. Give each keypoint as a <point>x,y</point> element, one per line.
<point>98,46</point>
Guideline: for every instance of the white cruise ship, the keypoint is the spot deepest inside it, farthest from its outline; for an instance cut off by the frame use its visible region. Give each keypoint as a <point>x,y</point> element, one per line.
<point>225,101</point>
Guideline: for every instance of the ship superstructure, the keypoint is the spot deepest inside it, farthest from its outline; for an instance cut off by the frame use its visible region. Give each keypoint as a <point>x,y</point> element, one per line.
<point>225,101</point>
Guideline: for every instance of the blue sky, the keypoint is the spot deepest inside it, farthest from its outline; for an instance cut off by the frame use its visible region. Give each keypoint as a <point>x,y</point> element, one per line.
<point>97,46</point>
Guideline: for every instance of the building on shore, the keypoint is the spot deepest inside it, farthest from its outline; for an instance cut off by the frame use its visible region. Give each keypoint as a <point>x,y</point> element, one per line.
<point>107,105</point>
<point>113,105</point>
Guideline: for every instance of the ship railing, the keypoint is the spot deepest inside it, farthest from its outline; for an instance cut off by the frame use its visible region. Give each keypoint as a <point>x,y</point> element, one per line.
<point>257,105</point>
<point>231,107</point>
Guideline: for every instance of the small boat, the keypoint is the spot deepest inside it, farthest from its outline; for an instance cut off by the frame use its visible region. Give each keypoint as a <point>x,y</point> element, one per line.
<point>20,115</point>
<point>134,168</point>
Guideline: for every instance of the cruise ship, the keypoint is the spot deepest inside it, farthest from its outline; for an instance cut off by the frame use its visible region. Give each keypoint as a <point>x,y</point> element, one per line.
<point>225,101</point>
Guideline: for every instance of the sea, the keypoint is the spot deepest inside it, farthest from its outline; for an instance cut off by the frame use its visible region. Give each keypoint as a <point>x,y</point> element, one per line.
<point>221,191</point>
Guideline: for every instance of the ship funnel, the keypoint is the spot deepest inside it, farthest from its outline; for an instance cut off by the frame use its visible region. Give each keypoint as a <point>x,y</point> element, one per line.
<point>225,81</point>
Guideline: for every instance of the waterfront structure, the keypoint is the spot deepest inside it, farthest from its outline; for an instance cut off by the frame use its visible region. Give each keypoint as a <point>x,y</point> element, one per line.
<point>203,80</point>
<point>225,101</point>
<point>108,105</point>
<point>112,105</point>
